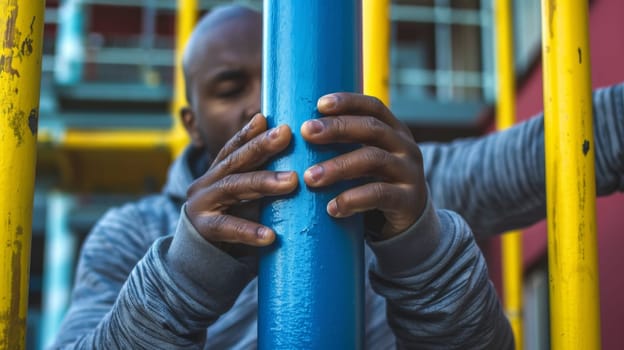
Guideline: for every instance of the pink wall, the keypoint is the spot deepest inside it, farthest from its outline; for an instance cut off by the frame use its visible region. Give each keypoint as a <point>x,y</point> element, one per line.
<point>607,49</point>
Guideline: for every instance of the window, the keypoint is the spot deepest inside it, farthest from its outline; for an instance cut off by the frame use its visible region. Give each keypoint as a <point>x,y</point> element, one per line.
<point>527,18</point>
<point>441,60</point>
<point>443,57</point>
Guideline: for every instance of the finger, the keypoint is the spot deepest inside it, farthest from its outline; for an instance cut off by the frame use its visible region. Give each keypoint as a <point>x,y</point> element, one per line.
<point>226,228</point>
<point>363,162</point>
<point>236,188</point>
<point>342,103</point>
<point>377,195</point>
<point>394,201</point>
<point>253,128</point>
<point>354,129</point>
<point>257,151</point>
<point>251,155</point>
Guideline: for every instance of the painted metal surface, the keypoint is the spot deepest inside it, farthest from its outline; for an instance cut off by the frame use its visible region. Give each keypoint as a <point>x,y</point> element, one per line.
<point>70,53</point>
<point>505,118</point>
<point>376,48</point>
<point>59,264</point>
<point>186,17</point>
<point>21,30</point>
<point>570,176</point>
<point>311,279</point>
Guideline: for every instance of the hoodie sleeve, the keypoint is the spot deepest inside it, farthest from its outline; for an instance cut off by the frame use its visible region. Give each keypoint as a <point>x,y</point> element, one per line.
<point>436,286</point>
<point>131,293</point>
<point>503,173</point>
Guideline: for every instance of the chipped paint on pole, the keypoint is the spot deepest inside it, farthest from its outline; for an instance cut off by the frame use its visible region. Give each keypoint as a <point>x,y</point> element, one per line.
<point>570,176</point>
<point>21,29</point>
<point>311,280</point>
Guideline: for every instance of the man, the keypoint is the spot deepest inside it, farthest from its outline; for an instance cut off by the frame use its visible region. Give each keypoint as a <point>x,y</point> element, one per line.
<point>139,287</point>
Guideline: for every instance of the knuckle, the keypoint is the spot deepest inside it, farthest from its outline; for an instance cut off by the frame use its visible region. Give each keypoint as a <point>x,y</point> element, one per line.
<point>377,106</point>
<point>233,144</point>
<point>403,128</point>
<point>238,139</point>
<point>257,180</point>
<point>376,154</point>
<point>215,222</point>
<point>193,188</point>
<point>340,164</point>
<point>375,126</point>
<point>377,103</point>
<point>257,146</point>
<point>229,185</point>
<point>340,126</point>
<point>214,226</point>
<point>415,154</point>
<point>240,232</point>
<point>199,185</point>
<point>378,191</point>
<point>229,164</point>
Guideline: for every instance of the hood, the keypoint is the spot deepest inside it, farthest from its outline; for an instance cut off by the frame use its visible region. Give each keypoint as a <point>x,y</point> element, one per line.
<point>191,164</point>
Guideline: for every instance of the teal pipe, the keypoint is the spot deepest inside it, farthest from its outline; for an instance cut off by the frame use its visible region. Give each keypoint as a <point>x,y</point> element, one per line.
<point>70,46</point>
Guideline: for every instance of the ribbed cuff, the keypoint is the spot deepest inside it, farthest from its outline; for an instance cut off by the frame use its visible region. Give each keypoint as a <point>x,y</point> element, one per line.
<point>399,254</point>
<point>202,269</point>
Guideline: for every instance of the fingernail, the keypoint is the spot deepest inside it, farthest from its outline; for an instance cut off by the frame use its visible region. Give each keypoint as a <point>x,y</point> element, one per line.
<point>274,133</point>
<point>315,173</point>
<point>327,102</point>
<point>284,176</point>
<point>262,232</point>
<point>332,208</point>
<point>314,126</point>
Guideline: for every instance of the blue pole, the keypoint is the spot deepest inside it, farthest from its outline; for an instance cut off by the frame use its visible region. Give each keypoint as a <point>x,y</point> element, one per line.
<point>311,288</point>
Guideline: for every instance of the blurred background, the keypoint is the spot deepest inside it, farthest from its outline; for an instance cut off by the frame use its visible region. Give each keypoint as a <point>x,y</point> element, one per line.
<point>108,131</point>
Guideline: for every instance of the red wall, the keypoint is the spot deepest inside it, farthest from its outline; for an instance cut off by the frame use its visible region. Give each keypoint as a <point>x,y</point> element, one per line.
<point>607,50</point>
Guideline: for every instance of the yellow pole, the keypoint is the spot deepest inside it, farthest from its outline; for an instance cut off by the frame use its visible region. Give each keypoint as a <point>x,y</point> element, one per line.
<point>505,118</point>
<point>376,48</point>
<point>21,33</point>
<point>570,176</point>
<point>185,22</point>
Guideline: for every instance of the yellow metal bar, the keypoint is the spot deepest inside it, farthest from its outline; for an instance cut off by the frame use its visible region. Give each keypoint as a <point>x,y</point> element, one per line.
<point>505,118</point>
<point>570,176</point>
<point>118,139</point>
<point>185,22</point>
<point>376,48</point>
<point>512,283</point>
<point>21,33</point>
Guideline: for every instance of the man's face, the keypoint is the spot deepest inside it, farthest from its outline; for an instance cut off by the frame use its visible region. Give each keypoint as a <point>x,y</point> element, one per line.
<point>225,81</point>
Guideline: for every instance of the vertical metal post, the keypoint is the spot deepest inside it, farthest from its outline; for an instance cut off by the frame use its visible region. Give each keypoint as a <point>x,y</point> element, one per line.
<point>59,263</point>
<point>21,32</point>
<point>570,176</point>
<point>186,17</point>
<point>443,52</point>
<point>487,51</point>
<point>311,279</point>
<point>70,48</point>
<point>505,118</point>
<point>148,40</point>
<point>376,48</point>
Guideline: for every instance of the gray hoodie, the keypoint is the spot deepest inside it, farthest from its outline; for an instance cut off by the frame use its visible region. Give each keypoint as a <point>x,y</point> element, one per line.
<point>147,279</point>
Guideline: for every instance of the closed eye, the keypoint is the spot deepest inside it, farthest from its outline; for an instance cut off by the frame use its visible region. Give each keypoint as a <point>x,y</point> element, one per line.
<point>229,83</point>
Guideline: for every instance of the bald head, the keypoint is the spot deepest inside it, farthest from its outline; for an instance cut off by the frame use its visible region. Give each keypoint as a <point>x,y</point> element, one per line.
<point>223,75</point>
<point>221,26</point>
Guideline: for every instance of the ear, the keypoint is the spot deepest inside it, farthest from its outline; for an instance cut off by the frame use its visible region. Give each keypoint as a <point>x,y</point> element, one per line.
<point>191,124</point>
